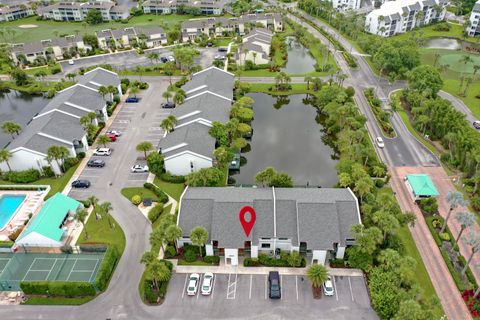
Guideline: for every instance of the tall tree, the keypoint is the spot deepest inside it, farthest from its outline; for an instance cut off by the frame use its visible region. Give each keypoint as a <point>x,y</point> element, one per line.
<point>103,140</point>
<point>144,147</point>
<point>317,274</point>
<point>11,128</point>
<point>81,215</point>
<point>466,220</point>
<point>105,208</point>
<point>173,233</point>
<point>199,236</point>
<point>59,154</point>
<point>5,155</point>
<point>472,240</point>
<point>455,199</point>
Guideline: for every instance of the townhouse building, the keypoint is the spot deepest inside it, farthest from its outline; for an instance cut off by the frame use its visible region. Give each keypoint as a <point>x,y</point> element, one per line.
<point>256,46</point>
<point>77,11</point>
<point>125,38</point>
<point>395,17</point>
<point>205,7</point>
<point>15,11</point>
<point>473,28</point>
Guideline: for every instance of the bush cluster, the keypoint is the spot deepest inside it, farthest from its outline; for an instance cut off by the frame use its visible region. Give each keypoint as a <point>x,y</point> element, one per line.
<point>428,205</point>
<point>68,289</point>
<point>26,176</point>
<point>170,252</point>
<point>162,197</point>
<point>168,177</point>
<point>155,212</point>
<point>107,266</point>
<point>212,259</point>
<point>136,199</point>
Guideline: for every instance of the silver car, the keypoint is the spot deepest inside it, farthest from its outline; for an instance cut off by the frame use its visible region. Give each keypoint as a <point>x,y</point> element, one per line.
<point>207,284</point>
<point>193,284</point>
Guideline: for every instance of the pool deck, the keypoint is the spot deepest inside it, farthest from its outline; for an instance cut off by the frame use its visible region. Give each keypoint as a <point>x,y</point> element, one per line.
<point>31,205</point>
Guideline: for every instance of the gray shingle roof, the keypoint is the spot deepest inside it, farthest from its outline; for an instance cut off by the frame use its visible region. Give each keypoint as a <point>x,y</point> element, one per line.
<point>99,76</point>
<point>212,79</point>
<point>194,135</point>
<point>207,106</point>
<point>476,7</point>
<point>324,215</point>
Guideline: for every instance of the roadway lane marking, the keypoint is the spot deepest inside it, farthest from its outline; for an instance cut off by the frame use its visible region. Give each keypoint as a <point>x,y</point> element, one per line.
<point>351,291</point>
<point>250,292</point>
<point>335,287</point>
<point>199,285</point>
<point>185,286</point>
<point>296,285</point>
<point>265,287</point>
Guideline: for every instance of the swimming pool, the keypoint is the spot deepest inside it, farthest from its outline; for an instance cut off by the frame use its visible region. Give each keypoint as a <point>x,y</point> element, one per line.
<point>9,204</point>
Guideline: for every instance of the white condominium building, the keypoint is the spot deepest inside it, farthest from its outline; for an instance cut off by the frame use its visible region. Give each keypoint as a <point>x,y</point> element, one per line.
<point>346,4</point>
<point>473,29</point>
<point>403,15</point>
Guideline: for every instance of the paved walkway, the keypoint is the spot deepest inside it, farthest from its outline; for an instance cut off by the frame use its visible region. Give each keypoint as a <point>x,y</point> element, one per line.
<point>443,283</point>
<point>240,269</point>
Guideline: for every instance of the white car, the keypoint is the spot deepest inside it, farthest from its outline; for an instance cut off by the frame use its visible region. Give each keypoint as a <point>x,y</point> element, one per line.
<point>193,284</point>
<point>139,168</point>
<point>328,287</point>
<point>207,283</point>
<point>380,143</point>
<point>171,58</point>
<point>219,57</point>
<point>102,152</point>
<point>115,132</point>
<point>71,62</point>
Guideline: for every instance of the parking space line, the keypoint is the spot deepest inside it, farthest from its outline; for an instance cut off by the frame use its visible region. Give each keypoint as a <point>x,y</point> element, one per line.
<point>185,286</point>
<point>281,287</point>
<point>265,287</point>
<point>350,284</point>
<point>213,288</point>
<point>296,286</point>
<point>335,287</point>
<point>200,285</point>
<point>250,292</point>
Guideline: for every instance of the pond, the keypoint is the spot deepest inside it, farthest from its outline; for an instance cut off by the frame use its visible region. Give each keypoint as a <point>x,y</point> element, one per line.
<point>443,43</point>
<point>19,108</point>
<point>286,136</point>
<point>299,59</point>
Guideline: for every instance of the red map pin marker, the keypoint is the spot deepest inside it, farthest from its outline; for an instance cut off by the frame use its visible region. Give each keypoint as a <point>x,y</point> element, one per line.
<point>247,224</point>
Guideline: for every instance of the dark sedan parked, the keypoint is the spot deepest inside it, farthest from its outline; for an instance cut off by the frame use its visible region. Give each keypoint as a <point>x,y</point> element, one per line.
<point>168,105</point>
<point>81,184</point>
<point>96,163</point>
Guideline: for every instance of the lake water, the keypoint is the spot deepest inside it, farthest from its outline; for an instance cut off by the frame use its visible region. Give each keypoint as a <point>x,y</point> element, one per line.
<point>443,43</point>
<point>19,108</point>
<point>299,59</point>
<point>287,137</point>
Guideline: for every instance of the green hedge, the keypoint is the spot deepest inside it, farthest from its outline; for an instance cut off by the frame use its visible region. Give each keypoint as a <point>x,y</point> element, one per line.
<point>162,197</point>
<point>456,277</point>
<point>468,273</point>
<point>212,259</point>
<point>6,244</point>
<point>26,176</point>
<point>168,177</point>
<point>58,288</point>
<point>433,231</point>
<point>155,212</point>
<point>106,267</point>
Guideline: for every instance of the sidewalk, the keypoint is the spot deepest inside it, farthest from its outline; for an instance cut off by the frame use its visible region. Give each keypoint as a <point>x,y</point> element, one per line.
<point>240,269</point>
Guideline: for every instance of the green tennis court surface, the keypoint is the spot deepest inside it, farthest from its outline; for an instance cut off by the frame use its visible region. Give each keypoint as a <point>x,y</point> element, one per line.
<point>18,267</point>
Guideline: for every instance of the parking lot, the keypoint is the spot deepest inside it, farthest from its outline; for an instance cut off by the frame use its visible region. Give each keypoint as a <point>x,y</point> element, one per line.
<point>136,122</point>
<point>246,296</point>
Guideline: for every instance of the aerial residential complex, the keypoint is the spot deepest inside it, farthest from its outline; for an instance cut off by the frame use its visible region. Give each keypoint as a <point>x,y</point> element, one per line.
<point>14,12</point>
<point>346,4</point>
<point>189,147</point>
<point>215,7</point>
<point>473,29</point>
<point>314,221</point>
<point>395,17</point>
<point>59,123</point>
<point>256,46</point>
<point>77,11</point>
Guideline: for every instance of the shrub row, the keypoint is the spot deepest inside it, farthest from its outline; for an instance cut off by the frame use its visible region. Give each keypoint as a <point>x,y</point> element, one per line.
<point>162,197</point>
<point>155,212</point>
<point>382,116</point>
<point>6,244</point>
<point>451,269</point>
<point>170,252</point>
<point>58,288</point>
<point>107,266</point>
<point>212,259</point>
<point>269,261</point>
<point>168,177</point>
<point>26,176</point>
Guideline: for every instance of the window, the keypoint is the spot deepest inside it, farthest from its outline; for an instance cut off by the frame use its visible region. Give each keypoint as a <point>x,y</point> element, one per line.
<point>265,238</point>
<point>282,238</point>
<point>266,245</point>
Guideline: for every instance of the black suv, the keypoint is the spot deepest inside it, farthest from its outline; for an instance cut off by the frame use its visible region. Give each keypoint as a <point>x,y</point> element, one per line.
<point>81,184</point>
<point>168,105</point>
<point>274,285</point>
<point>97,163</point>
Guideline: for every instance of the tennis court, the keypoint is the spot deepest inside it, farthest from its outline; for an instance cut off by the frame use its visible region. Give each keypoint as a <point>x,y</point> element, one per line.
<point>18,267</point>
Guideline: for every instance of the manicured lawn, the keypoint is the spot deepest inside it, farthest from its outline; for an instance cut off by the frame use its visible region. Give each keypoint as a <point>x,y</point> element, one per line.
<point>56,184</point>
<point>100,231</point>
<point>48,29</point>
<point>194,263</point>
<point>456,31</point>
<point>297,88</point>
<point>174,190</point>
<point>57,301</point>
<point>47,69</point>
<point>142,192</point>
<point>166,210</point>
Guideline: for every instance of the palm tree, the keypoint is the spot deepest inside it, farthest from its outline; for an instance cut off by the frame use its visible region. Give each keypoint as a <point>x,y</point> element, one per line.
<point>103,140</point>
<point>254,54</point>
<point>168,124</point>
<point>455,199</point>
<point>70,76</point>
<point>167,95</point>
<point>158,271</point>
<point>11,128</point>
<point>148,257</point>
<point>179,98</point>
<point>93,201</point>
<point>81,215</point>
<point>106,207</point>
<point>5,155</point>
<point>317,274</point>
<point>112,90</point>
<point>144,147</point>
<point>308,79</point>
<point>103,91</point>
<point>134,90</point>
<point>466,220</point>
<point>173,233</point>
<point>473,240</point>
<point>153,57</point>
<point>199,236</point>
<point>58,153</point>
